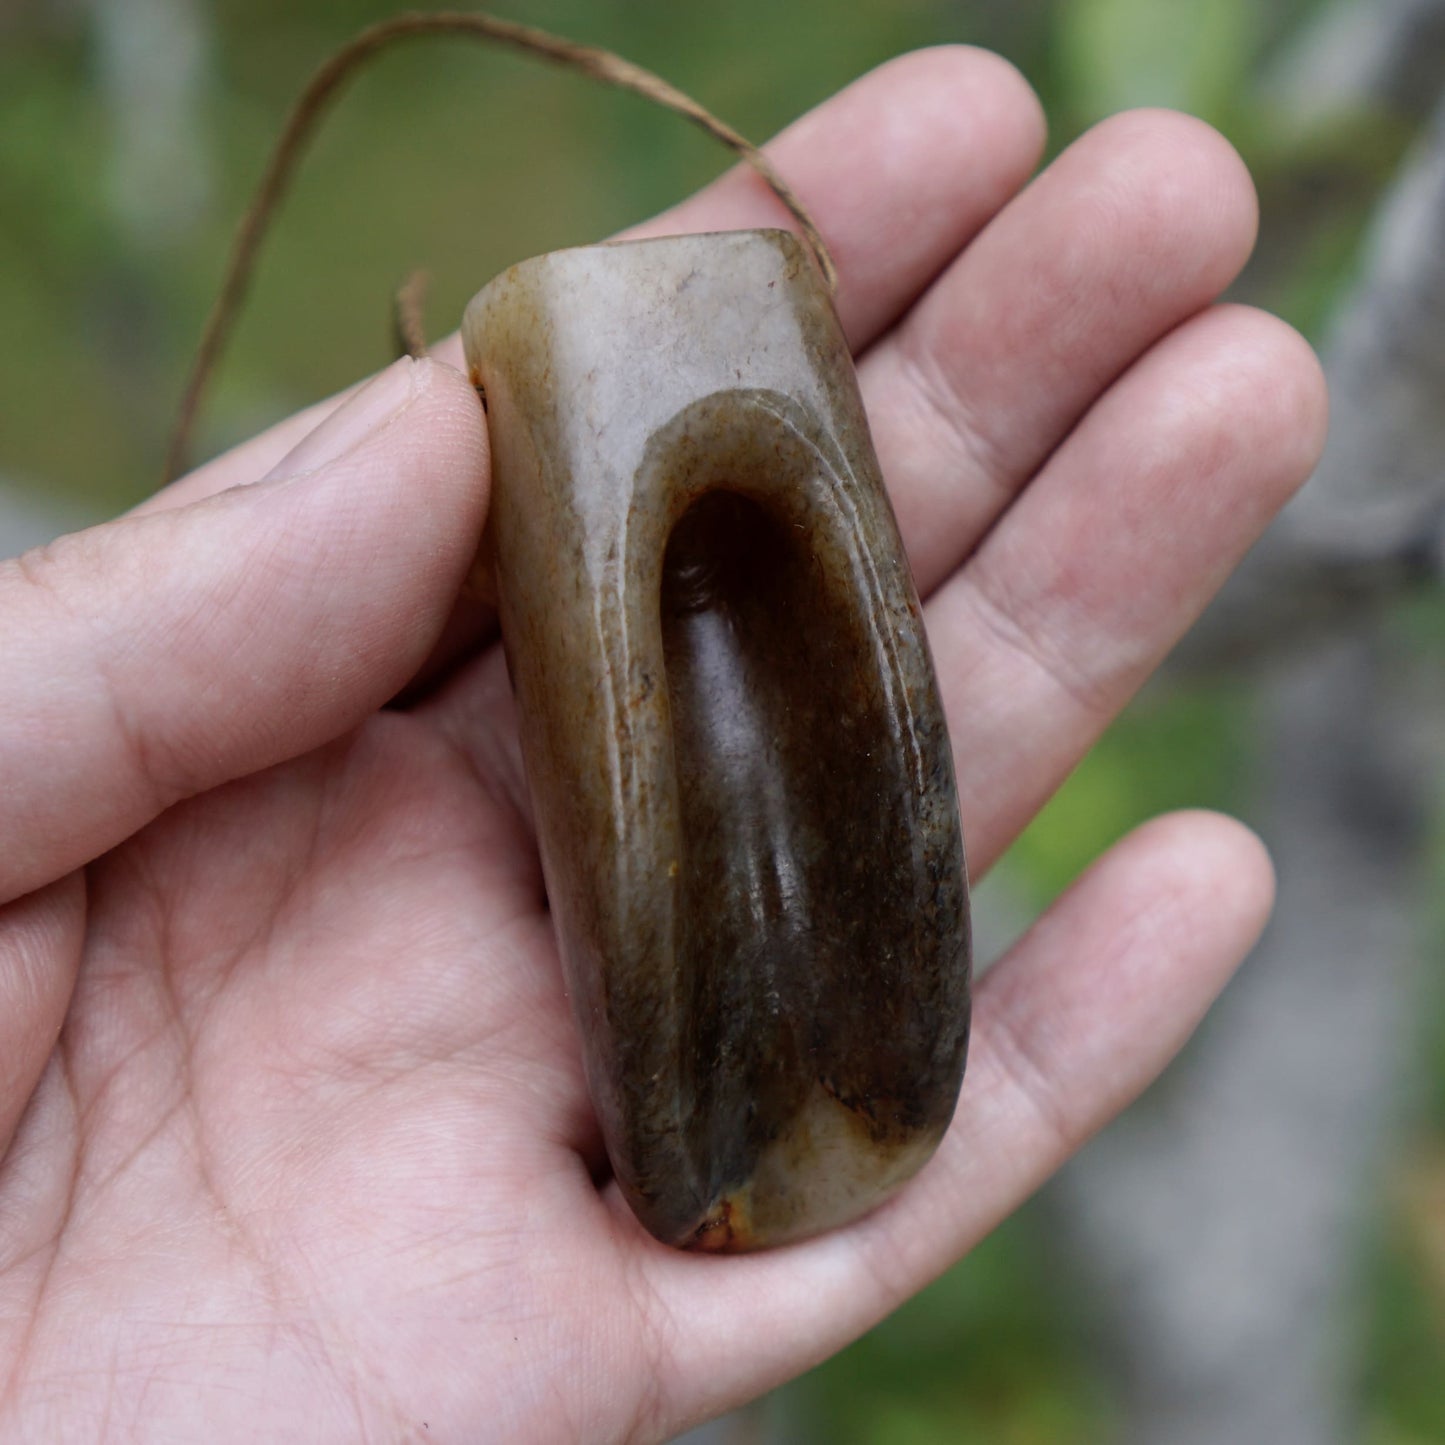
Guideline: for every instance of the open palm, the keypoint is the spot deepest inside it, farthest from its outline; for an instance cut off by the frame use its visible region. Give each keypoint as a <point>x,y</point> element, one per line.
<point>299,1143</point>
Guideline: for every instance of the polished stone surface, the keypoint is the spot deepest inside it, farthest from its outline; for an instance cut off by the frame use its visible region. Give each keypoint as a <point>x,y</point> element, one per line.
<point>739,762</point>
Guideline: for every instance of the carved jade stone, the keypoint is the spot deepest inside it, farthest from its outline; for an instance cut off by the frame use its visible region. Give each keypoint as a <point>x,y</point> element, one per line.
<point>738,759</point>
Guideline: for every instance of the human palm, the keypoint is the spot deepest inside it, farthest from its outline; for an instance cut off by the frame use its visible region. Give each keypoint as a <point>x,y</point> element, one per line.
<point>312,1156</point>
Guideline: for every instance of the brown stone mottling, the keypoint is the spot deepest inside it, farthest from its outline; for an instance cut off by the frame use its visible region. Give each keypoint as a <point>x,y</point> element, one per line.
<point>739,763</point>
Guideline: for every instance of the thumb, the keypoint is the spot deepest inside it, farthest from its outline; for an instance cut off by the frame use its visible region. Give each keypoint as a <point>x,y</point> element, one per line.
<point>163,654</point>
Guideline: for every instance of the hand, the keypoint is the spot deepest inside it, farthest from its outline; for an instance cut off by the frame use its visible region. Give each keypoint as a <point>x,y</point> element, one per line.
<point>311,1157</point>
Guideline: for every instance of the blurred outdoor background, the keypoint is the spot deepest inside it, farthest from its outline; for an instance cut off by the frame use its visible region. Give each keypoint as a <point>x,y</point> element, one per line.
<point>1259,1251</point>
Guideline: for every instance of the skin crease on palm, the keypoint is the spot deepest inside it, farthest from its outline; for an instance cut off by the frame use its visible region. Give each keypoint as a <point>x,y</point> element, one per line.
<point>298,1144</point>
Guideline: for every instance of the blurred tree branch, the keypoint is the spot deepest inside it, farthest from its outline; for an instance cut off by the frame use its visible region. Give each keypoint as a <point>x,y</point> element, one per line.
<point>152,57</point>
<point>1352,58</point>
<point>1228,1216</point>
<point>1371,523</point>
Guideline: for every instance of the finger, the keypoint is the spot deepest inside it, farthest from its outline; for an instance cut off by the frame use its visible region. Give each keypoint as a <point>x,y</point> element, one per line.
<point>1092,576</point>
<point>899,170</point>
<point>1070,1027</point>
<point>1136,227</point>
<point>158,656</point>
<point>1101,255</point>
<point>40,943</point>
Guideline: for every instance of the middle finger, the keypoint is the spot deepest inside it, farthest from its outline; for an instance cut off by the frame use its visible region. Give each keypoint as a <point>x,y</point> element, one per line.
<point>1134,228</point>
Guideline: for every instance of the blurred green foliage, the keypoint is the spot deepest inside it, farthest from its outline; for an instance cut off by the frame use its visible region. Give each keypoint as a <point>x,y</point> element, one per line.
<point>1116,54</point>
<point>990,1353</point>
<point>464,161</point>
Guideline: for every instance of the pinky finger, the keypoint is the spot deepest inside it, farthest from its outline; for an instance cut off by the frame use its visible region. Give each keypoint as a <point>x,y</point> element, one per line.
<point>40,943</point>
<point>1081,1016</point>
<point>1071,1026</point>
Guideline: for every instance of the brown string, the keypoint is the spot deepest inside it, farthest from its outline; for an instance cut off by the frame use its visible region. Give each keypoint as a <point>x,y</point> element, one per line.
<point>600,64</point>
<point>408,308</point>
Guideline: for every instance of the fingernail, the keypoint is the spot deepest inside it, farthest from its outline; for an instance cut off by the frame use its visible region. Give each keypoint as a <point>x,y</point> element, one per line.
<point>359,417</point>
